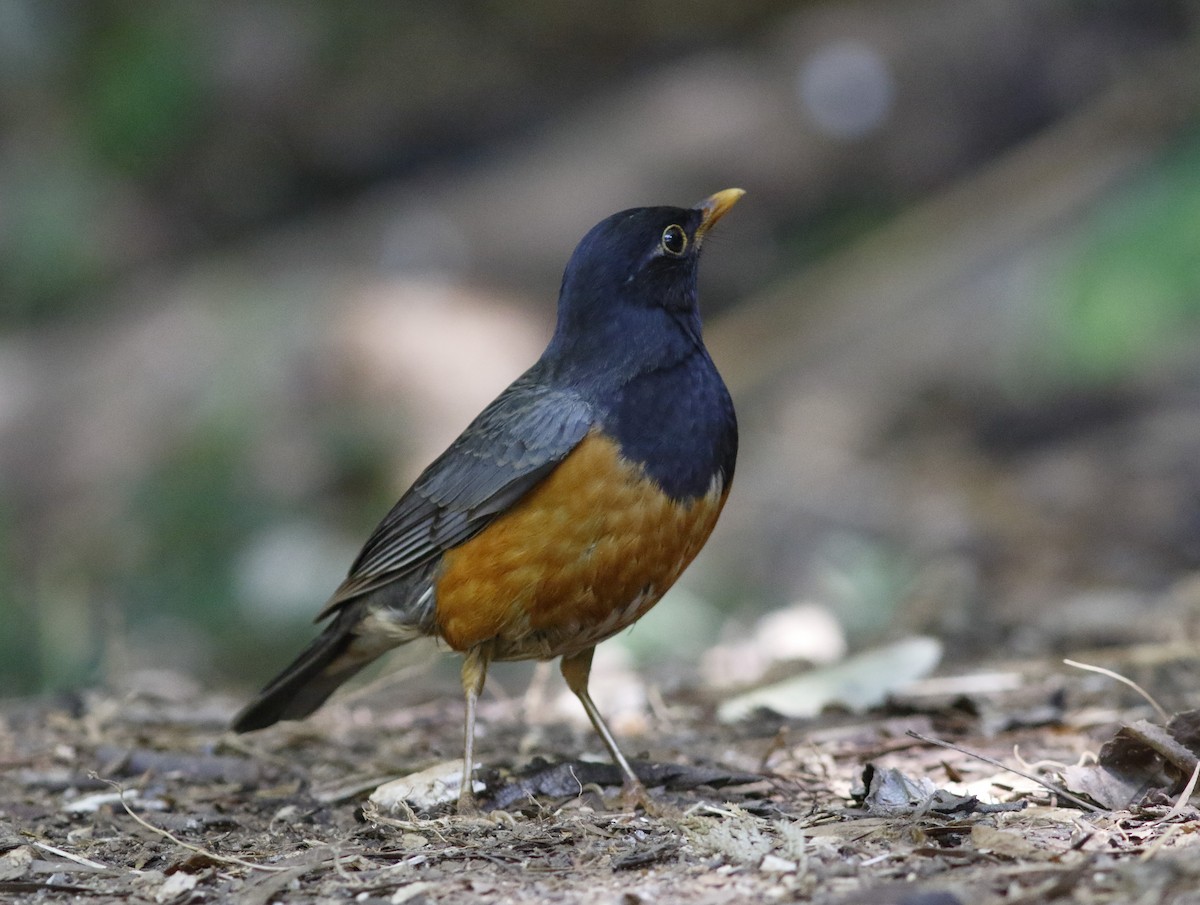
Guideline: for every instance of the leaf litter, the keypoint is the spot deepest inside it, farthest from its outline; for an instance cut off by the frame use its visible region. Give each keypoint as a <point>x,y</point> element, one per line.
<point>843,807</point>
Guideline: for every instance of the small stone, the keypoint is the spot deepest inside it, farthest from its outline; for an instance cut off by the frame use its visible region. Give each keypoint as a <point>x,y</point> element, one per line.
<point>773,864</point>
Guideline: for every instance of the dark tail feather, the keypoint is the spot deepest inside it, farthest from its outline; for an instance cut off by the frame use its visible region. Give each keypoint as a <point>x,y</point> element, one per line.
<point>300,689</point>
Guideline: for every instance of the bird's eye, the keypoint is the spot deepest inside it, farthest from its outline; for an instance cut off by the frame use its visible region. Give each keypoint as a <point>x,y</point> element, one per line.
<point>674,240</point>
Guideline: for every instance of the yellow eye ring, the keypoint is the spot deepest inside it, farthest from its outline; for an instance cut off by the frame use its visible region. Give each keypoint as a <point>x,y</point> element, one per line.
<point>674,240</point>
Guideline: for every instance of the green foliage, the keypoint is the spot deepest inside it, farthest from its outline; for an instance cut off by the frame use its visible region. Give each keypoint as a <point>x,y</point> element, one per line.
<point>120,119</point>
<point>196,513</point>
<point>193,512</point>
<point>1130,288</point>
<point>52,254</point>
<point>143,99</point>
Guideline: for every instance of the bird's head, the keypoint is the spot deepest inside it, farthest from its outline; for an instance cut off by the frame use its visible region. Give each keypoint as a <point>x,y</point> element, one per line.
<point>629,270</point>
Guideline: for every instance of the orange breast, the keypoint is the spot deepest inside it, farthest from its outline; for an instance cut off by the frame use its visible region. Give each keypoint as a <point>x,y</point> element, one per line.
<point>583,555</point>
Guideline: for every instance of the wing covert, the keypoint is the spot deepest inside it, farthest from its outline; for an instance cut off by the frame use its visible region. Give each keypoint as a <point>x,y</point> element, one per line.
<point>514,443</point>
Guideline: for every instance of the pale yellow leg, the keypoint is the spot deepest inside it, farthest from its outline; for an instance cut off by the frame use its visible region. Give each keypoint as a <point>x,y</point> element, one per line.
<point>575,670</point>
<point>474,674</point>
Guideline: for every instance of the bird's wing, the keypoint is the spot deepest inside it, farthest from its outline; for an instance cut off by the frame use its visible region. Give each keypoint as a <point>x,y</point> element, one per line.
<point>514,443</point>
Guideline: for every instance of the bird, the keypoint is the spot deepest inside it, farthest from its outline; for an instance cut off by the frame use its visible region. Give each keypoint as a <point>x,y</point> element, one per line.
<point>570,504</point>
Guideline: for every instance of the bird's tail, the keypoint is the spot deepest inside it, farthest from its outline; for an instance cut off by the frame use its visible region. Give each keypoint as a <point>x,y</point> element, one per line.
<point>333,657</point>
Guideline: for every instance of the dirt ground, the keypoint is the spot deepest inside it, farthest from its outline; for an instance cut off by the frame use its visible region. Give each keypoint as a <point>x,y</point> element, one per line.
<point>843,808</point>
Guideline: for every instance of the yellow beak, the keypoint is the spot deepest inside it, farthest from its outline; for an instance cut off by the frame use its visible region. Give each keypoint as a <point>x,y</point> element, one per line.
<point>713,208</point>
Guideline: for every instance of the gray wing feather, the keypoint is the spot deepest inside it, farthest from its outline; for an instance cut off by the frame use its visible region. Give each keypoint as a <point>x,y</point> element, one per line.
<point>506,451</point>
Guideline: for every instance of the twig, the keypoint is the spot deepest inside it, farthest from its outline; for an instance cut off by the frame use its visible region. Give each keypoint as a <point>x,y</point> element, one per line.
<point>1160,842</point>
<point>1184,797</point>
<point>1162,714</point>
<point>1161,742</point>
<point>1062,793</point>
<point>78,859</point>
<point>166,834</point>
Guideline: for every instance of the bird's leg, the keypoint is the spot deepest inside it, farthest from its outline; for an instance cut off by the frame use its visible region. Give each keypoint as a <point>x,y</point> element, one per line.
<point>474,674</point>
<point>575,670</point>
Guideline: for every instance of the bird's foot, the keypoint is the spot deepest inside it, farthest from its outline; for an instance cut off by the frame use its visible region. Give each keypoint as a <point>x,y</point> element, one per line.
<point>467,805</point>
<point>634,795</point>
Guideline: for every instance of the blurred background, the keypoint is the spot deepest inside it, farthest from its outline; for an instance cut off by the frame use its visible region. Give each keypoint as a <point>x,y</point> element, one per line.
<point>260,260</point>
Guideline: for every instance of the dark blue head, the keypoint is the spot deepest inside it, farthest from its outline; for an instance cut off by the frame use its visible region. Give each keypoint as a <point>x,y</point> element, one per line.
<point>628,297</point>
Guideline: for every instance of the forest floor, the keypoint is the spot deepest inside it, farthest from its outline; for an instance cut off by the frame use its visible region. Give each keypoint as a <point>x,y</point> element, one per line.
<point>843,808</point>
